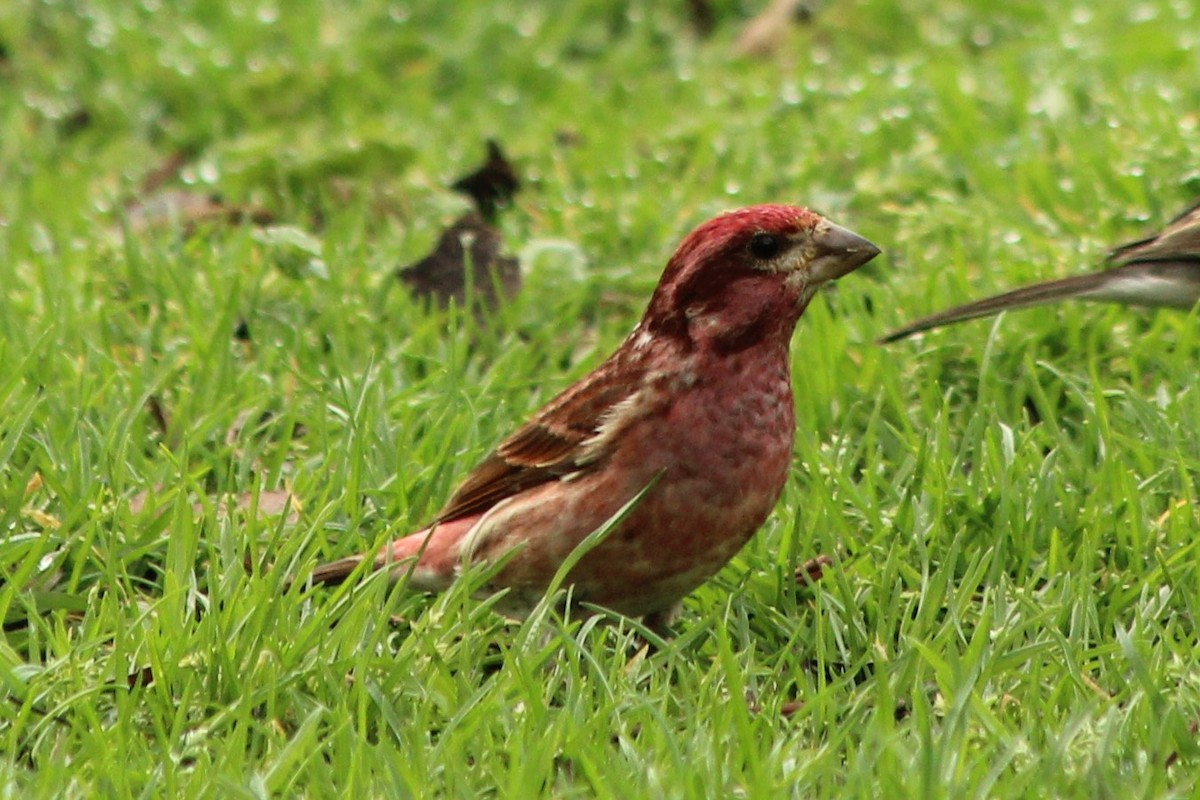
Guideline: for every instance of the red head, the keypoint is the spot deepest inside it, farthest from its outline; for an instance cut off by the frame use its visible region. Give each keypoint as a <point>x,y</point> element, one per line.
<point>750,271</point>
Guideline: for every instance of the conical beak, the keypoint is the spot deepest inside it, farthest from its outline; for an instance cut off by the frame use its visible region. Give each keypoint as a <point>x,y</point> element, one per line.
<point>837,252</point>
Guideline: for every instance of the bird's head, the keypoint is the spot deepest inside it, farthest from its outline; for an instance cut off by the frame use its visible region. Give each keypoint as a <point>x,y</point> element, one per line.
<point>749,272</point>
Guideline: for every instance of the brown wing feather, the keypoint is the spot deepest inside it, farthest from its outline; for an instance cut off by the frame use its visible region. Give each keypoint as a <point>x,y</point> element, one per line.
<point>1178,241</point>
<point>537,445</point>
<point>549,446</point>
<point>492,481</point>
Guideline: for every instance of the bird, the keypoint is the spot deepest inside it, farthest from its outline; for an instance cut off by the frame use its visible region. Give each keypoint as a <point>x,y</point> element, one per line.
<point>1162,270</point>
<point>692,416</point>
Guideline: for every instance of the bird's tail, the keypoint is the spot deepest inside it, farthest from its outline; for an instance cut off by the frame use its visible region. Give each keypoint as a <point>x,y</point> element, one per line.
<point>427,564</point>
<point>336,572</point>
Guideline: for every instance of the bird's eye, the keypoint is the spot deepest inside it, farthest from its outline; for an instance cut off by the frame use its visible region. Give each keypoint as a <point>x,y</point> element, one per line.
<point>765,245</point>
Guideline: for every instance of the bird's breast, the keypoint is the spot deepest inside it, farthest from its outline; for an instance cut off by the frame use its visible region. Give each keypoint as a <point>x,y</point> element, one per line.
<point>716,437</point>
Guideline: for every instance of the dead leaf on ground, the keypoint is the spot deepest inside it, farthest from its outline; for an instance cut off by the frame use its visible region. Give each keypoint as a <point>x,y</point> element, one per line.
<point>268,503</point>
<point>703,17</point>
<point>246,419</point>
<point>140,678</point>
<point>1193,729</point>
<point>79,120</point>
<point>492,185</point>
<point>786,709</point>
<point>271,503</point>
<point>168,170</point>
<point>155,207</point>
<point>189,210</point>
<point>812,570</point>
<point>443,275</point>
<point>158,413</point>
<point>766,31</point>
<point>568,137</point>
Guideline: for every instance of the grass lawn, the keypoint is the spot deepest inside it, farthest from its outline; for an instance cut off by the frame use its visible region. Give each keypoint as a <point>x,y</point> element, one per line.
<point>195,406</point>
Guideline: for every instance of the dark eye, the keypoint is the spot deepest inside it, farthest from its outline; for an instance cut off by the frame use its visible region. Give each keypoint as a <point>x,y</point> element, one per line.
<point>765,245</point>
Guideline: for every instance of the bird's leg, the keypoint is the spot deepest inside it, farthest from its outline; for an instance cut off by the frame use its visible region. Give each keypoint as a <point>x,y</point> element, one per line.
<point>659,622</point>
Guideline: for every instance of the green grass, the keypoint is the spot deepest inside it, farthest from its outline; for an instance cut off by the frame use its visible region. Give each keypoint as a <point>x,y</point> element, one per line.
<point>1012,505</point>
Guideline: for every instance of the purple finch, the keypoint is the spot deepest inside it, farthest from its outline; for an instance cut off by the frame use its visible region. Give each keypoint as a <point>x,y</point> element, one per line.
<point>1162,270</point>
<point>694,412</point>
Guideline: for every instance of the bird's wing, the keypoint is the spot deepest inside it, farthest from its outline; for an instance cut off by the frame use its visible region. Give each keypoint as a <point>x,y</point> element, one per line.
<point>1026,296</point>
<point>1178,241</point>
<point>549,447</point>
